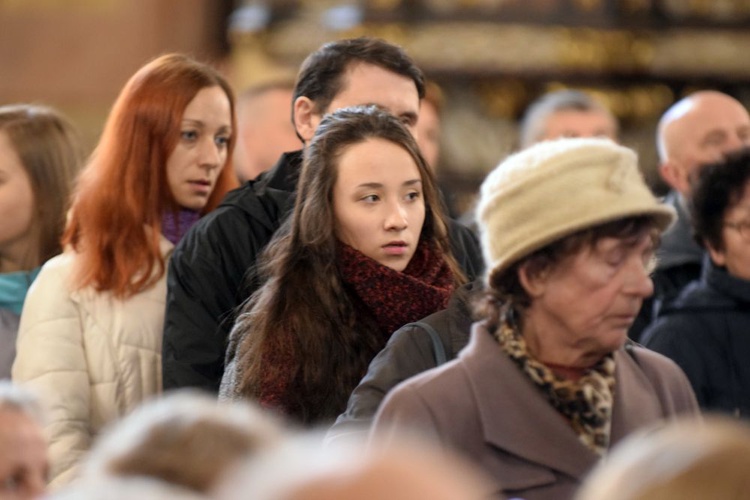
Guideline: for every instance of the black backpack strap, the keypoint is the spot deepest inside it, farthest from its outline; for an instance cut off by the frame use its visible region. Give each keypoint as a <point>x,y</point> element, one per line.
<point>437,345</point>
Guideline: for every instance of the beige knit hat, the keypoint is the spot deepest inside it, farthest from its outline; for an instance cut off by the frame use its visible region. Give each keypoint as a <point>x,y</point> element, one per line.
<point>556,188</point>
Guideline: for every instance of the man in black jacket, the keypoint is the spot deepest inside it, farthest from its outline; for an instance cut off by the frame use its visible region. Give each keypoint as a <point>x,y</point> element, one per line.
<point>210,270</point>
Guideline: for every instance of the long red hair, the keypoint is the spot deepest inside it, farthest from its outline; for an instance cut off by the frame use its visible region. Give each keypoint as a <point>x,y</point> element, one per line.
<point>115,219</point>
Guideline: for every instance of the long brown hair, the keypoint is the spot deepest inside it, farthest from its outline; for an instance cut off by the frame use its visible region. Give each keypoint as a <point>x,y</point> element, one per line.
<point>124,186</point>
<point>49,150</point>
<point>303,313</point>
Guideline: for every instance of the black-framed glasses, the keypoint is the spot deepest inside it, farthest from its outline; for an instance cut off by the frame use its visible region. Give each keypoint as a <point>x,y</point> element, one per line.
<point>742,227</point>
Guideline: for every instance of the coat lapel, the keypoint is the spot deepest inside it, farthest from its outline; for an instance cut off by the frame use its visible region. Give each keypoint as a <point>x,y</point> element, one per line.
<point>636,402</point>
<point>514,414</point>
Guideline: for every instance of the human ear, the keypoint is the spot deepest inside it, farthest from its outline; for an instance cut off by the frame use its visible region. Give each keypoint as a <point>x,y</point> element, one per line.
<point>534,282</point>
<point>306,120</point>
<point>674,176</point>
<point>717,256</point>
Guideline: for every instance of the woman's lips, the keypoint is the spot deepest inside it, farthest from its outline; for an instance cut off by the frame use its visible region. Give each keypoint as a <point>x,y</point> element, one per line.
<point>201,186</point>
<point>396,248</point>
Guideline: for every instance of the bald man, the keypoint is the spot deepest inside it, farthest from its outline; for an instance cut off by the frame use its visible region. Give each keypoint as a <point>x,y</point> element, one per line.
<point>699,129</point>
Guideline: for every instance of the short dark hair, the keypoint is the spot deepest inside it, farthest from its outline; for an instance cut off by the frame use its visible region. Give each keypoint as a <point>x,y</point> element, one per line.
<point>504,292</point>
<point>320,76</point>
<point>718,187</point>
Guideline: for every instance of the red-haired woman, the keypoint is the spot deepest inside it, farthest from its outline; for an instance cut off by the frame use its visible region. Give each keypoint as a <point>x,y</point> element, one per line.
<point>89,341</point>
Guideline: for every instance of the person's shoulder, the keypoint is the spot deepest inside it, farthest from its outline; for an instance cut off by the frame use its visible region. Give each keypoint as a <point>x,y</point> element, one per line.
<point>58,267</point>
<point>661,371</point>
<point>436,383</point>
<point>651,360</point>
<point>667,378</point>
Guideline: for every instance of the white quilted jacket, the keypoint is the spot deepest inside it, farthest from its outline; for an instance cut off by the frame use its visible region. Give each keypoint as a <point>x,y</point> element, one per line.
<point>90,358</point>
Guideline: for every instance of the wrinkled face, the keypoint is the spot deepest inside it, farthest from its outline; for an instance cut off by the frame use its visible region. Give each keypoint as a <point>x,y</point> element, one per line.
<point>201,152</point>
<point>588,301</point>
<point>369,84</point>
<point>428,133</point>
<point>705,132</point>
<point>378,202</point>
<point>23,457</point>
<point>16,204</point>
<point>574,123</point>
<point>736,253</point>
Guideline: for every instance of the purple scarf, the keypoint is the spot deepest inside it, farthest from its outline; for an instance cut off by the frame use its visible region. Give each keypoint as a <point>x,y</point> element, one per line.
<point>174,225</point>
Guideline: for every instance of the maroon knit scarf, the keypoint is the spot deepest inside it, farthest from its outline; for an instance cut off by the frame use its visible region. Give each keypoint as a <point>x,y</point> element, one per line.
<point>396,298</point>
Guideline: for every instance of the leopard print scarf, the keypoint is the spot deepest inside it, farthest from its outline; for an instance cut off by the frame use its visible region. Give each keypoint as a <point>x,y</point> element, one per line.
<point>586,403</point>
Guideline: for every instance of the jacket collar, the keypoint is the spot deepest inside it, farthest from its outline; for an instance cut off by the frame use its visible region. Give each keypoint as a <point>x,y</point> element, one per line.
<point>269,198</point>
<point>505,413</point>
<point>677,244</point>
<point>719,279</point>
<point>283,176</point>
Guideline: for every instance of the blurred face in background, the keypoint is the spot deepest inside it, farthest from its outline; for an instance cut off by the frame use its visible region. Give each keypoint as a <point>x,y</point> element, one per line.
<point>17,238</point>
<point>265,131</point>
<point>428,133</point>
<point>577,123</point>
<point>23,457</point>
<point>698,130</point>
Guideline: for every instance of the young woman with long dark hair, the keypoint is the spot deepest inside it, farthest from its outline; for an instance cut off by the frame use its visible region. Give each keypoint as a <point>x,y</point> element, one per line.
<point>365,251</point>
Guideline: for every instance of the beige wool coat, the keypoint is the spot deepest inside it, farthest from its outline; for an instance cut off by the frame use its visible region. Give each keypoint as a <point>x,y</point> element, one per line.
<point>482,405</point>
<point>89,357</point>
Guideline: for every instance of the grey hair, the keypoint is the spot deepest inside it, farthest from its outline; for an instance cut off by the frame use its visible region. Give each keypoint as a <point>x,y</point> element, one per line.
<point>534,120</point>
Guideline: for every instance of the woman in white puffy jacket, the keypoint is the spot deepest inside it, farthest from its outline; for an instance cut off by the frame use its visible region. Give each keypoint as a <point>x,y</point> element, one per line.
<point>89,342</point>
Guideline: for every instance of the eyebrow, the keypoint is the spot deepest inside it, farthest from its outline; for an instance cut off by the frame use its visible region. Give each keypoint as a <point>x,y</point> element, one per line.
<point>200,123</point>
<point>376,185</point>
<point>410,116</point>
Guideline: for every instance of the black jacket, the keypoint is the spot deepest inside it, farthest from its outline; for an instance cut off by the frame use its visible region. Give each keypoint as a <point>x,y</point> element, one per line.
<point>410,351</point>
<point>208,273</point>
<point>679,261</point>
<point>707,333</point>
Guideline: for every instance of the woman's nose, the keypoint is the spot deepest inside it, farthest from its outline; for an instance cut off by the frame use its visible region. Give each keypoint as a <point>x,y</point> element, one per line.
<point>396,218</point>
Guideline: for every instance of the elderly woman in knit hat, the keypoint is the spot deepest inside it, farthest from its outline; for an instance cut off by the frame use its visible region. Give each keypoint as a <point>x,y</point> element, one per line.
<point>547,383</point>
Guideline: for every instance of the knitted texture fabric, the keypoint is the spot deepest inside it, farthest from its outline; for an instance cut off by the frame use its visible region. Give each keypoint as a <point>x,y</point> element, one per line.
<point>556,188</point>
<point>391,298</point>
<point>174,225</point>
<point>396,298</point>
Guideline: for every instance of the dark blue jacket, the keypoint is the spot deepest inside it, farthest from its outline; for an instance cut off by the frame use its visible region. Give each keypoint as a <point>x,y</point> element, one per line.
<point>706,331</point>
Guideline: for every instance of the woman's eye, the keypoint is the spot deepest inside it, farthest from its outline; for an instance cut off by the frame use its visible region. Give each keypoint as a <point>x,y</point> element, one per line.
<point>222,141</point>
<point>370,198</point>
<point>614,259</point>
<point>189,135</point>
<point>414,195</point>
